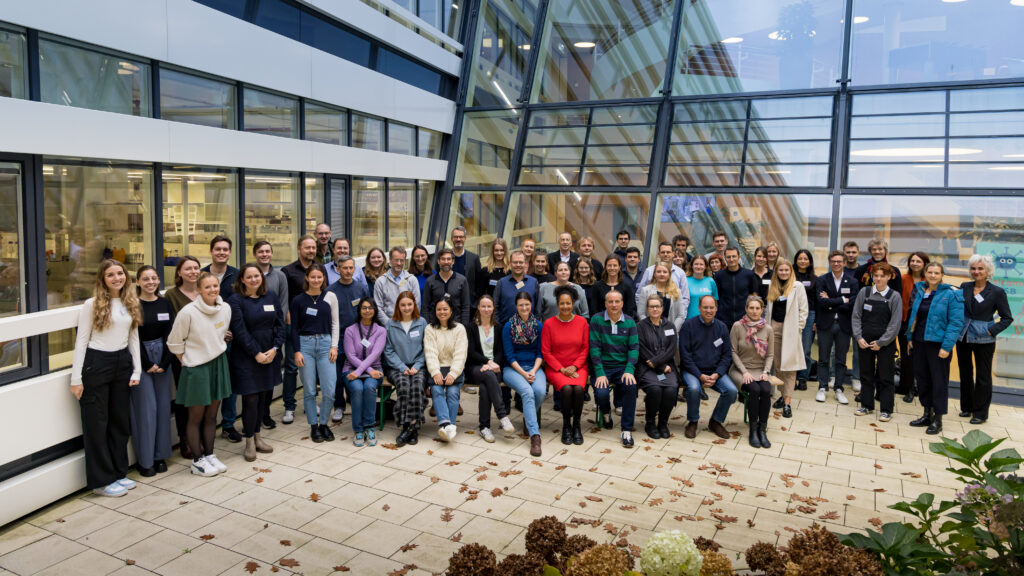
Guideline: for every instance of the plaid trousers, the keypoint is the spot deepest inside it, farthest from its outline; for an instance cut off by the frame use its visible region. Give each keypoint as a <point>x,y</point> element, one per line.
<point>411,399</point>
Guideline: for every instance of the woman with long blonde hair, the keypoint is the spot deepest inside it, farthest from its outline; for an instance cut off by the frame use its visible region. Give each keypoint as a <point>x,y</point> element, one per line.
<point>674,306</point>
<point>787,314</point>
<point>106,364</point>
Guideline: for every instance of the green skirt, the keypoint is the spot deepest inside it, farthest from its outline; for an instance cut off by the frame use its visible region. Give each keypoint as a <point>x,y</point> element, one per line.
<point>204,384</point>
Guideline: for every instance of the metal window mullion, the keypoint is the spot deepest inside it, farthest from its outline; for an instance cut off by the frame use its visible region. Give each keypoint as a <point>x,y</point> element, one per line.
<point>157,219</point>
<point>34,81</point>
<point>302,204</point>
<point>517,159</point>
<point>154,80</point>
<point>535,43</point>
<point>673,47</point>
<point>240,106</point>
<point>241,208</point>
<point>840,161</point>
<point>746,134</point>
<point>847,44</point>
<point>945,167</point>
<point>586,144</point>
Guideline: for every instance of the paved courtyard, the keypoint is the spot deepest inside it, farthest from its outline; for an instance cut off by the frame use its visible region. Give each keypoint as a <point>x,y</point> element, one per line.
<point>323,508</point>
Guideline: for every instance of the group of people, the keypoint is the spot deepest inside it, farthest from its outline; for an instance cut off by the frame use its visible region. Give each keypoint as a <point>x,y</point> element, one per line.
<point>523,318</point>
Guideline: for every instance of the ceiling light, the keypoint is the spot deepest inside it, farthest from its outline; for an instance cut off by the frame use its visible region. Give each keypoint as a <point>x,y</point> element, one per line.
<point>1008,168</point>
<point>774,35</point>
<point>128,66</point>
<point>1017,2</point>
<point>777,172</point>
<point>583,44</point>
<point>1014,155</point>
<point>953,1</point>
<point>732,40</point>
<point>727,171</point>
<point>860,19</point>
<point>938,152</point>
<point>524,47</point>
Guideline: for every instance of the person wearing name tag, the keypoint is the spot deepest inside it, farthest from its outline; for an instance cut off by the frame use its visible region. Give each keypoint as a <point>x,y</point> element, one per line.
<point>387,288</point>
<point>735,283</point>
<point>483,367</point>
<point>197,339</point>
<point>787,315</point>
<point>983,300</point>
<point>700,284</point>
<point>364,344</point>
<point>183,293</point>
<point>674,304</point>
<point>565,344</point>
<point>448,283</point>
<point>277,283</point>
<point>836,292</point>
<point>257,327</point>
<point>548,304</point>
<point>753,355</point>
<point>151,399</point>
<point>521,340</point>
<point>877,315</point>
<point>405,362</point>
<point>614,351</point>
<point>349,292</point>
<point>803,264</point>
<point>314,313</point>
<point>916,263</point>
<point>762,271</point>
<point>935,323</point>
<point>446,347</point>
<point>508,288</point>
<point>705,353</point>
<point>656,370</point>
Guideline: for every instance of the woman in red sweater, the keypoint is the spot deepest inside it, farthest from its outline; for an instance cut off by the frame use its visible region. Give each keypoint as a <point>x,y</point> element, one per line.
<point>565,344</point>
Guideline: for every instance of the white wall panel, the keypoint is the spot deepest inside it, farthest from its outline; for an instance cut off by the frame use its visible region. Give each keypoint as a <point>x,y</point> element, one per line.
<point>26,405</point>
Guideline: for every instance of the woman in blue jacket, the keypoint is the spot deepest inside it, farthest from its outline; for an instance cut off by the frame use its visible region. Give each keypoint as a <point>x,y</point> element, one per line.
<point>405,366</point>
<point>934,325</point>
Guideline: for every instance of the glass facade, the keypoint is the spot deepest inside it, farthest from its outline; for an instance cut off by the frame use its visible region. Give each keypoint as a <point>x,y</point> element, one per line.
<point>273,114</point>
<point>505,30</point>
<point>198,203</point>
<point>485,152</point>
<point>367,215</point>
<point>13,69</point>
<point>12,261</point>
<point>367,132</point>
<point>401,138</point>
<point>314,204</point>
<point>197,100</point>
<point>72,75</point>
<point>271,207</point>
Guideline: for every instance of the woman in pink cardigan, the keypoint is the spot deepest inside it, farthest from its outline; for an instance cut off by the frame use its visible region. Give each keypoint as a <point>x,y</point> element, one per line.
<point>362,372</point>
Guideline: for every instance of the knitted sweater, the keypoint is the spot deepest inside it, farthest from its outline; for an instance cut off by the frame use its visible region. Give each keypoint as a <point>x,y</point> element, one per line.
<point>198,332</point>
<point>446,347</point>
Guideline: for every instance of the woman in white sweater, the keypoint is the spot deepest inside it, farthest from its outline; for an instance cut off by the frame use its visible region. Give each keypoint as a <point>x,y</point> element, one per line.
<point>197,339</point>
<point>106,363</point>
<point>445,346</point>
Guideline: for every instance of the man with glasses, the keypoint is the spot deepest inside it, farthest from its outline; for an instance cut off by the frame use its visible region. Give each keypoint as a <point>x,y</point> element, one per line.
<point>392,283</point>
<point>836,291</point>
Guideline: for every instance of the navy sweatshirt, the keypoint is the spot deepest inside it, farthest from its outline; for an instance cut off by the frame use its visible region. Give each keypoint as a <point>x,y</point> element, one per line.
<point>704,348</point>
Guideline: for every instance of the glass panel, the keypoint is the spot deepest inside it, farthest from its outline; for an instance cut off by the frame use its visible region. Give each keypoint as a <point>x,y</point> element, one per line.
<point>986,98</point>
<point>367,133</point>
<point>786,175</point>
<point>79,77</point>
<point>271,203</point>
<point>574,117</point>
<point>453,21</point>
<point>401,213</point>
<point>615,175</point>
<point>235,8</point>
<point>800,129</point>
<point>502,52</point>
<point>900,103</point>
<point>950,230</point>
<point>325,34</point>
<point>556,136</point>
<point>992,124</point>
<point>619,155</point>
<point>626,115</point>
<point>326,124</point>
<point>549,175</point>
<point>634,134</point>
<point>367,215</point>
<point>429,143</point>
<point>730,46</point>
<point>13,71</point>
<point>598,50</point>
<point>339,207</point>
<point>791,107</point>
<point>198,204</point>
<point>272,114</point>
<point>985,175</point>
<point>91,213</point>
<point>702,176</point>
<point>559,155</point>
<point>898,42</point>
<point>314,203</point>
<point>794,221</point>
<point>401,138</point>
<point>278,16</point>
<point>196,100</point>
<point>406,70</point>
<point>431,12</point>
<point>712,110</point>
<point>480,213</point>
<point>543,216</point>
<point>730,153</point>
<point>760,152</point>
<point>485,151</point>
<point>985,149</point>
<point>709,132</point>
<point>898,126</point>
<point>896,175</point>
<point>12,284</point>
<point>931,150</point>
<point>425,204</point>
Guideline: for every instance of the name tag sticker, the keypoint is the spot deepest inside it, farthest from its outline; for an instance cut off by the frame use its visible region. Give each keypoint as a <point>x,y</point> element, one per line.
<point>365,342</point>
<point>493,282</point>
<point>219,324</point>
<point>311,311</point>
<point>782,298</point>
<point>615,328</point>
<point>717,343</point>
<point>928,295</point>
<point>867,307</point>
<point>162,316</point>
<point>670,332</point>
<point>355,302</point>
<point>661,377</point>
<point>414,334</point>
<point>766,281</point>
<point>979,298</point>
<point>520,284</point>
<point>806,283</point>
<point>447,295</point>
<point>844,290</point>
<point>268,307</point>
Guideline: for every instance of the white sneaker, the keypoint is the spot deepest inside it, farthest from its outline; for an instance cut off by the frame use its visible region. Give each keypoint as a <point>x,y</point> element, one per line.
<point>202,467</point>
<point>618,411</point>
<point>856,385</point>
<point>127,483</point>
<point>338,415</point>
<point>114,490</point>
<point>216,463</point>
<point>841,397</point>
<point>469,389</point>
<point>820,396</point>
<point>442,432</point>
<point>289,417</point>
<point>487,435</point>
<point>506,426</point>
<point>451,432</point>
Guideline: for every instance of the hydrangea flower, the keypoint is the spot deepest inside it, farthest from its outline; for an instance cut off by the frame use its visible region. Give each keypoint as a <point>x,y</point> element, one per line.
<point>670,553</point>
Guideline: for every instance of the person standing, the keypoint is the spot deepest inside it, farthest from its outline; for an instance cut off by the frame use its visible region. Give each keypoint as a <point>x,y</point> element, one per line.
<point>720,241</point>
<point>363,372</point>
<point>915,273</point>
<point>296,275</point>
<point>705,354</point>
<point>497,267</point>
<point>665,254</point>
<point>257,328</point>
<point>405,361</point>
<point>621,245</point>
<point>341,247</point>
<point>935,324</point>
<point>851,257</point>
<point>314,314</point>
<point>464,262</point>
<point>674,304</point>
<point>540,269</point>
<point>753,351</point>
<point>448,283</point>
<point>445,347</point>
<point>548,303</point>
<point>836,291</point>
<point>879,251</point>
<point>700,284</point>
<point>227,275</point>
<point>521,337</point>
<point>656,370</point>
<point>632,269</point>
<point>762,271</point>
<point>106,365</point>
<point>771,251</point>
<point>324,254</point>
<point>565,344</point>
<point>198,340</point>
<point>681,247</point>
<point>587,253</point>
<point>529,247</point>
<point>613,279</point>
<point>349,293</point>
<point>151,399</point>
<point>614,351</point>
<point>877,314</point>
<point>734,283</point>
<point>787,315</point>
<point>375,267</point>
<point>506,292</point>
<point>420,267</point>
<point>585,279</point>
<point>982,301</point>
<point>483,366</point>
<point>183,293</point>
<point>803,264</point>
<point>277,283</point>
<point>387,288</point>
<point>564,254</point>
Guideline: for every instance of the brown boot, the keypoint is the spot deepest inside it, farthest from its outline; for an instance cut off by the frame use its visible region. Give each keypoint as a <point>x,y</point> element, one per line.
<point>535,445</point>
<point>691,430</point>
<point>261,446</point>
<point>718,429</point>
<point>250,450</point>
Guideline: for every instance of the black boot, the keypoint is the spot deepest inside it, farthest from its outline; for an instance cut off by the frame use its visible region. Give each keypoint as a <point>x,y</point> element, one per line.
<point>663,426</point>
<point>801,385</point>
<point>763,436</point>
<point>755,438</point>
<point>924,420</point>
<point>936,425</point>
<point>566,430</point>
<point>909,398</point>
<point>651,428</point>
<point>403,436</point>
<point>414,435</point>
<point>577,432</point>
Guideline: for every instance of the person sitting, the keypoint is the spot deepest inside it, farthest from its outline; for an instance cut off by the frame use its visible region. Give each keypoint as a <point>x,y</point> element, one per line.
<point>521,339</point>
<point>705,353</point>
<point>483,367</point>
<point>753,350</point>
<point>614,350</point>
<point>364,345</point>
<point>656,370</point>
<point>565,344</point>
<point>445,347</point>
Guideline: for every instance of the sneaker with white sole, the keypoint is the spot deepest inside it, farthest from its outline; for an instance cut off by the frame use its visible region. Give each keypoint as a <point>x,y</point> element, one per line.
<point>289,417</point>
<point>338,415</point>
<point>506,426</point>
<point>452,433</point>
<point>841,397</point>
<point>213,460</point>
<point>202,467</point>
<point>884,416</point>
<point>469,389</point>
<point>862,411</point>
<point>618,410</point>
<point>820,396</point>
<point>359,440</point>
<point>487,435</point>
<point>442,433</point>
<point>371,437</point>
<point>856,384</point>
<point>114,490</point>
<point>127,483</point>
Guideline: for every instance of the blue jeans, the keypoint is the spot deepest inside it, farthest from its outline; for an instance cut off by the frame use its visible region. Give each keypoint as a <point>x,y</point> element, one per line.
<point>362,392</point>
<point>627,395</point>
<point>291,371</point>
<point>532,395</point>
<point>446,401</point>
<point>316,350</point>
<point>807,338</point>
<point>827,339</point>
<point>726,396</point>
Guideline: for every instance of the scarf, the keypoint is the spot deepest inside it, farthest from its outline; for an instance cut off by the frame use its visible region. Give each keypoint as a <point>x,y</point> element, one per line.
<point>760,344</point>
<point>524,333</point>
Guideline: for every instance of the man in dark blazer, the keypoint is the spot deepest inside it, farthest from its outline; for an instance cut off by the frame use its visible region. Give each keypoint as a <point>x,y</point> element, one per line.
<point>836,292</point>
<point>466,263</point>
<point>563,254</point>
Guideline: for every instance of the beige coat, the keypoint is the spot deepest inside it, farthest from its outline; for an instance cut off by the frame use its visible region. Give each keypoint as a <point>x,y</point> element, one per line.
<point>792,340</point>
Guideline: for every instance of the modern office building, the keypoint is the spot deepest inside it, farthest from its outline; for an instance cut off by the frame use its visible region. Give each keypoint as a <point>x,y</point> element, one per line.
<point>139,130</point>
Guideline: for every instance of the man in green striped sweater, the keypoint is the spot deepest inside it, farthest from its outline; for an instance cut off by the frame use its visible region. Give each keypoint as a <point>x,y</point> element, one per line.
<point>614,351</point>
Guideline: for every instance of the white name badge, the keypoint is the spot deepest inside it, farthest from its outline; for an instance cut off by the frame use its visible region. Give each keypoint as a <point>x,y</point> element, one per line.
<point>162,316</point>
<point>717,343</point>
<point>782,298</point>
<point>806,283</point>
<point>661,377</point>
<point>414,334</point>
<point>493,282</point>
<point>520,284</point>
<point>615,328</point>
<point>979,298</point>
<point>219,324</point>
<point>670,332</point>
<point>928,295</point>
<point>447,295</point>
<point>311,311</point>
<point>867,307</point>
<point>355,302</point>
<point>268,307</point>
<point>766,281</point>
<point>844,291</point>
<point>365,342</point>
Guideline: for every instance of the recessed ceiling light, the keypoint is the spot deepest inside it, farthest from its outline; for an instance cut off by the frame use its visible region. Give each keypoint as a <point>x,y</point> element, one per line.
<point>1007,168</point>
<point>860,19</point>
<point>953,1</point>
<point>524,47</point>
<point>1017,2</point>
<point>583,44</point>
<point>774,35</point>
<point>904,152</point>
<point>732,40</point>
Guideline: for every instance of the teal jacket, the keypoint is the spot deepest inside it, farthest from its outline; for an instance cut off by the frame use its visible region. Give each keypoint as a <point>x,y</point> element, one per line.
<point>945,316</point>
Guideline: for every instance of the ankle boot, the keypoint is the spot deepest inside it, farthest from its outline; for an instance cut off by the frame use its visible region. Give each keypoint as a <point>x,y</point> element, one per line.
<point>936,425</point>
<point>250,449</point>
<point>755,438</point>
<point>651,428</point>
<point>663,427</point>
<point>924,420</point>
<point>261,446</point>
<point>566,429</point>
<point>577,432</point>
<point>403,436</point>
<point>414,435</point>
<point>762,435</point>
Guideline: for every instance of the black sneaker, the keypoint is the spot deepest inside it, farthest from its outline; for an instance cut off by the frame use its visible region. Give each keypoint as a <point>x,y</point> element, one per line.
<point>325,431</point>
<point>779,403</point>
<point>606,422</point>
<point>652,430</point>
<point>268,423</point>
<point>231,434</point>
<point>315,435</point>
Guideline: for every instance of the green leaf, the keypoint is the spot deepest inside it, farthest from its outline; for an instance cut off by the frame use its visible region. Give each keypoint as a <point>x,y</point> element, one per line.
<point>976,439</point>
<point>857,540</point>
<point>550,570</point>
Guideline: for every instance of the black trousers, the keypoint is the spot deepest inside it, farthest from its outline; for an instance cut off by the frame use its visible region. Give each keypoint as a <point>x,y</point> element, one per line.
<point>932,375</point>
<point>105,406</point>
<point>906,363</point>
<point>976,379</point>
<point>489,393</point>
<point>759,401</point>
<point>883,363</point>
